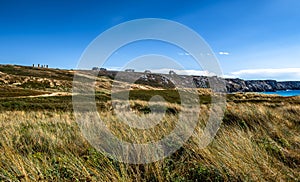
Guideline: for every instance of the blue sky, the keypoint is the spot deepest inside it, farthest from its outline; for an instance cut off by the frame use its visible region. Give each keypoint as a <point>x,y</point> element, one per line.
<point>253,39</point>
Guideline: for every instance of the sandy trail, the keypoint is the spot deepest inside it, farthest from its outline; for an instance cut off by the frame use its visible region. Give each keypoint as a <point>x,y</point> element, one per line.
<point>47,95</point>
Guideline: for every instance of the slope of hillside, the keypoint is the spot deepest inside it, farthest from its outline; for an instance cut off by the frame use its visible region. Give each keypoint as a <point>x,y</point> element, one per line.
<point>61,80</point>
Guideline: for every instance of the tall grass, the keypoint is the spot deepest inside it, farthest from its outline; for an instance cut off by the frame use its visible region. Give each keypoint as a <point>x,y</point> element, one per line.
<point>256,142</point>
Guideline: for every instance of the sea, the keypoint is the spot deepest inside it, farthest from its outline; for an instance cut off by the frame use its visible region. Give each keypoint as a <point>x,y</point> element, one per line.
<point>285,93</point>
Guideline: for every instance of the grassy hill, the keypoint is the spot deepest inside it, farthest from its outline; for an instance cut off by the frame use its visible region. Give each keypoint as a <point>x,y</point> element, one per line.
<point>259,139</point>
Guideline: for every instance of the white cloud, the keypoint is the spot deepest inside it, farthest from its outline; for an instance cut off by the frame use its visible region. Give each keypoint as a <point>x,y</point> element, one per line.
<point>276,74</point>
<point>183,54</point>
<point>224,53</point>
<point>283,74</point>
<point>115,68</point>
<point>183,72</point>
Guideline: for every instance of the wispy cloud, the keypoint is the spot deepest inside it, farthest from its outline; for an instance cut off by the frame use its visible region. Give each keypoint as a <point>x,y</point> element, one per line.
<point>277,74</point>
<point>184,72</point>
<point>115,68</point>
<point>224,53</point>
<point>183,54</point>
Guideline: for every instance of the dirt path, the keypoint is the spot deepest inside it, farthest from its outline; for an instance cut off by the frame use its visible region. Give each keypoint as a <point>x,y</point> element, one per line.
<point>47,95</point>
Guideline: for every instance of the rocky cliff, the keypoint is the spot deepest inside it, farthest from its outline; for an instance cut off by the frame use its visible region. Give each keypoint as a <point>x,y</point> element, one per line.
<point>232,85</point>
<point>239,85</point>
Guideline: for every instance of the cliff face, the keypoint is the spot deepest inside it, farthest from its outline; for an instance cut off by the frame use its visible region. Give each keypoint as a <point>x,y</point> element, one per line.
<point>290,85</point>
<point>232,85</point>
<point>238,85</point>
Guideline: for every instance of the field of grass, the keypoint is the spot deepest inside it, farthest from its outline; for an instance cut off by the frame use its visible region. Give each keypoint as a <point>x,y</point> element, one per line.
<point>9,92</point>
<point>38,72</point>
<point>257,142</point>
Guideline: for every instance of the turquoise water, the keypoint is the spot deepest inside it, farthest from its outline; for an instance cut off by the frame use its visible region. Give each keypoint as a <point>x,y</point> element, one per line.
<point>285,93</point>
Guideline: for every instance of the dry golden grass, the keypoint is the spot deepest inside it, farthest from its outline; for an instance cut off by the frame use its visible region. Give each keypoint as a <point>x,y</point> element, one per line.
<point>256,142</point>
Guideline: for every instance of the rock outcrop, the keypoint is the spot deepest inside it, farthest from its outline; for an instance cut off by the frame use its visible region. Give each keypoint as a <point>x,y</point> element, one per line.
<point>239,85</point>
<point>232,84</point>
